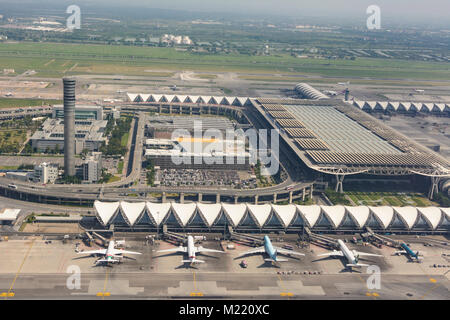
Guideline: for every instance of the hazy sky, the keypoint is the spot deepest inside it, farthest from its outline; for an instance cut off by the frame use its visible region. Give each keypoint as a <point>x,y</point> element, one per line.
<point>413,8</point>
<point>409,10</point>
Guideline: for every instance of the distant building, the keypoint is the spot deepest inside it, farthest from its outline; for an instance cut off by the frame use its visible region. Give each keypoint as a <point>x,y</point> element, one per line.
<point>89,134</point>
<point>82,112</point>
<point>8,216</point>
<point>21,176</point>
<point>92,167</point>
<point>45,173</point>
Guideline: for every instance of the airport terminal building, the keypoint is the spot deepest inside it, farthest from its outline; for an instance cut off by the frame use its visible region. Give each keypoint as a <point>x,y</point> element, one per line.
<point>268,217</point>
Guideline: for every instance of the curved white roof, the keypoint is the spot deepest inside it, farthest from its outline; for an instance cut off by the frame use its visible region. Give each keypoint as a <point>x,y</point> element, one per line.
<point>359,104</point>
<point>192,98</point>
<point>406,105</point>
<point>145,96</point>
<point>394,105</point>
<point>446,211</point>
<point>132,211</point>
<point>439,107</point>
<point>157,97</point>
<point>407,214</point>
<point>235,212</point>
<point>158,211</point>
<point>131,96</point>
<point>335,214</point>
<point>184,211</point>
<point>359,214</point>
<point>372,104</point>
<point>210,212</point>
<point>310,214</point>
<point>428,106</point>
<point>383,214</point>
<point>383,105</point>
<point>105,210</point>
<point>432,216</point>
<point>285,213</point>
<point>259,212</point>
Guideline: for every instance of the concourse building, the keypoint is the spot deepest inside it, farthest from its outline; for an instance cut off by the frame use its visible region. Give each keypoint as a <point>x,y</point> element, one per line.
<point>204,217</point>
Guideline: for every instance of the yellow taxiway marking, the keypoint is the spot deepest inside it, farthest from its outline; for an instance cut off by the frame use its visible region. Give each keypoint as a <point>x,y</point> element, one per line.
<point>284,293</point>
<point>196,294</point>
<point>369,294</point>
<point>433,280</point>
<point>104,293</point>
<point>12,294</point>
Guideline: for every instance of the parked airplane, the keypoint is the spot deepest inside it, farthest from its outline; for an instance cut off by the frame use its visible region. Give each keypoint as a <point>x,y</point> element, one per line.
<point>191,250</point>
<point>271,251</point>
<point>352,256</point>
<point>112,255</point>
<point>344,83</point>
<point>408,252</point>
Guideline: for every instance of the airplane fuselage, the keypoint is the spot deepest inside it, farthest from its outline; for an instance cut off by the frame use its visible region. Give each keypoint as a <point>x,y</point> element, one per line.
<point>272,253</point>
<point>347,253</point>
<point>110,251</point>
<point>409,252</point>
<point>191,248</point>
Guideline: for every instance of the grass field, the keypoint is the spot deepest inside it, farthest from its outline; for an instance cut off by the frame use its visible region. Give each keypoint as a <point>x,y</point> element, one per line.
<point>55,60</point>
<point>18,103</point>
<point>389,199</point>
<point>124,140</point>
<point>120,167</point>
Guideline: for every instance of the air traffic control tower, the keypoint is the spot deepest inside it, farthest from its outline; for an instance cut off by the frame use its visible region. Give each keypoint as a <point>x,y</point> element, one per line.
<point>69,126</point>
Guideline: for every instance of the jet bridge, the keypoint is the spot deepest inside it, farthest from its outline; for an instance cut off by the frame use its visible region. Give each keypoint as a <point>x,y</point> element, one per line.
<point>381,238</point>
<point>320,240</point>
<point>247,239</point>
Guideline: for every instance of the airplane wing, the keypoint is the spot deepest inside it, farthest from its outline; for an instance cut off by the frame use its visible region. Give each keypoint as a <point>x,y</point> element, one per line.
<point>332,253</point>
<point>201,249</point>
<point>362,254</point>
<point>99,251</point>
<point>178,249</point>
<point>400,252</point>
<point>120,251</point>
<point>288,252</point>
<point>257,250</point>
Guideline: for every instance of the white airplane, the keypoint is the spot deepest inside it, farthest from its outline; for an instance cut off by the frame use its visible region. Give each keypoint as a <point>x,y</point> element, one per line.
<point>344,83</point>
<point>191,250</point>
<point>352,256</point>
<point>331,93</point>
<point>271,251</point>
<point>112,255</point>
